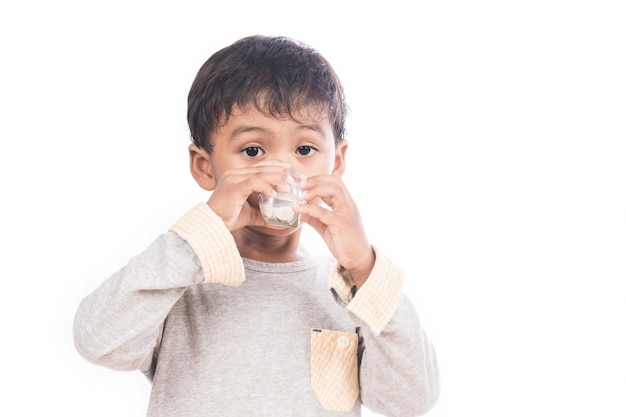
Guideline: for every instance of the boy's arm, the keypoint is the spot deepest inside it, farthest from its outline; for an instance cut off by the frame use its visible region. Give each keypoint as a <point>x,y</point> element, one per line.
<point>398,371</point>
<point>119,324</point>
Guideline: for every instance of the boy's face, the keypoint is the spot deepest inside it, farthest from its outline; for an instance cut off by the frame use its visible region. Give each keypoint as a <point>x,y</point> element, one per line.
<point>250,137</point>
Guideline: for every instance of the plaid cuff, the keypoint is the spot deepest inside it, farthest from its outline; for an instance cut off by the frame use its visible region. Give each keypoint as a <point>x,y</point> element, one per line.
<point>213,244</point>
<point>376,301</point>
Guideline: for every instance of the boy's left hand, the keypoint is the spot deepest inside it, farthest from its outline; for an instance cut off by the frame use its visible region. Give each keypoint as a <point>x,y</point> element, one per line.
<point>339,224</point>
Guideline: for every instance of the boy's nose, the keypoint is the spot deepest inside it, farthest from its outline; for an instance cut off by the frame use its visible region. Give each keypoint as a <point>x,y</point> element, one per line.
<point>283,156</point>
<point>278,161</point>
<point>291,160</point>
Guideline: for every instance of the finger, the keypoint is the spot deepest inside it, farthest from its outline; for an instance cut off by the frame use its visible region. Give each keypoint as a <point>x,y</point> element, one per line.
<point>260,179</point>
<point>312,212</point>
<point>276,174</point>
<point>314,222</point>
<point>333,195</point>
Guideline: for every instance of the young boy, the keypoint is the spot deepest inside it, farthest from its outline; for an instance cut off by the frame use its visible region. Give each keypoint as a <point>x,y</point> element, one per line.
<point>228,315</point>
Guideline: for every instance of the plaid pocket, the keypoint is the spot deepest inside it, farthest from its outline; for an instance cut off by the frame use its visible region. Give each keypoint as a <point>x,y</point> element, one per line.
<point>334,368</point>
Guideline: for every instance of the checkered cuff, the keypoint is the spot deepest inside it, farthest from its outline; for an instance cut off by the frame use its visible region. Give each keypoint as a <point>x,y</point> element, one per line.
<point>376,301</point>
<point>213,244</point>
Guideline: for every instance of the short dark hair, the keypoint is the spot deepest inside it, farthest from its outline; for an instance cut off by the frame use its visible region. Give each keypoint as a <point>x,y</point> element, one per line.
<point>277,75</point>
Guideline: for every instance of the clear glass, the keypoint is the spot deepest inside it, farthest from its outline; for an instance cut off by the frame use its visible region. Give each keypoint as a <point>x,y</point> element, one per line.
<point>277,210</point>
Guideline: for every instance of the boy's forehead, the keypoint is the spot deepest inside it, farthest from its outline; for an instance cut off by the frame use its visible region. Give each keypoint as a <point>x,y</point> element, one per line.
<point>251,119</point>
<point>302,115</point>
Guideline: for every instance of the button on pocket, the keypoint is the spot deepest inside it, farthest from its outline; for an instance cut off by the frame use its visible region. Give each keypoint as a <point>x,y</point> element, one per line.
<point>343,342</point>
<point>334,368</point>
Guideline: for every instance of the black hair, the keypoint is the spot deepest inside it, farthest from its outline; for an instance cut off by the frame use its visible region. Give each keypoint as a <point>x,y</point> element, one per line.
<point>277,75</point>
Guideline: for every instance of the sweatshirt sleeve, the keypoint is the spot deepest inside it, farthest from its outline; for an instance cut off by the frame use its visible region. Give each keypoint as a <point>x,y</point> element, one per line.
<point>119,324</point>
<point>398,370</point>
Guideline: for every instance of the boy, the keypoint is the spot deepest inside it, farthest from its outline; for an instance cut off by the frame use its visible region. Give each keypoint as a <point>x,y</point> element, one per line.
<point>227,315</point>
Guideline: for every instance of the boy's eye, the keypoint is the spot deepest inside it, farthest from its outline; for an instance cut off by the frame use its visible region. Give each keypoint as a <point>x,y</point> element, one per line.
<point>305,150</point>
<point>253,151</point>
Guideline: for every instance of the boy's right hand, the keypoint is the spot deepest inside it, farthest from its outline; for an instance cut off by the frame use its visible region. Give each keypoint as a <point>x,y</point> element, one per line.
<point>235,197</point>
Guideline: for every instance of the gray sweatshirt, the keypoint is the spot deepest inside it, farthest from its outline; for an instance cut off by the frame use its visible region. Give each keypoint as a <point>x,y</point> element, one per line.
<point>283,342</point>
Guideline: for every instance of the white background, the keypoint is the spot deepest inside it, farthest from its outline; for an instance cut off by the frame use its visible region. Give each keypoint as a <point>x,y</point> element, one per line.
<point>488,145</point>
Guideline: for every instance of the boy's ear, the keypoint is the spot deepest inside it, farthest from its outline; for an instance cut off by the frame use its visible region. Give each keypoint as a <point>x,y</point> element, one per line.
<point>340,158</point>
<point>201,168</point>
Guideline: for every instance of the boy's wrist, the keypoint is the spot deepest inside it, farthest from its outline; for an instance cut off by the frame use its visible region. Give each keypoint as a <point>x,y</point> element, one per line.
<point>361,273</point>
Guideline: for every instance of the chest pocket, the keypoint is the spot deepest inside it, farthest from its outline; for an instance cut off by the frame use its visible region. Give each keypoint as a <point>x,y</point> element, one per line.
<point>334,368</point>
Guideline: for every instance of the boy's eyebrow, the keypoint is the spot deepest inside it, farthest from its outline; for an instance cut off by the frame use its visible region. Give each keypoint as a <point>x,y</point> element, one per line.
<point>245,129</point>
<point>315,127</point>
